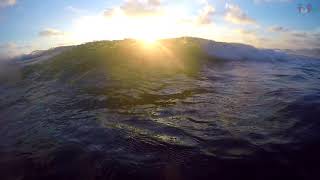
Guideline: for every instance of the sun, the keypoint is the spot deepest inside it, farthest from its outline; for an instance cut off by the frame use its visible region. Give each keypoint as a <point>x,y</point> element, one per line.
<point>147,35</point>
<point>149,40</point>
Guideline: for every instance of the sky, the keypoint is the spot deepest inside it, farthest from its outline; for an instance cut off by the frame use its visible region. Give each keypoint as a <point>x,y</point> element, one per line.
<point>28,25</point>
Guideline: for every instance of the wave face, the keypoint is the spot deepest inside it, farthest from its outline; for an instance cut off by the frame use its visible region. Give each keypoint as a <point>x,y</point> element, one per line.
<point>230,119</point>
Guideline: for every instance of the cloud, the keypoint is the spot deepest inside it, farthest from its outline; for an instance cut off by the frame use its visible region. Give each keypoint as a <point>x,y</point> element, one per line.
<point>302,39</point>
<point>75,10</point>
<point>300,34</point>
<point>154,2</point>
<point>7,45</point>
<point>295,39</point>
<point>206,14</point>
<point>249,36</point>
<point>236,15</point>
<point>246,31</point>
<point>7,3</point>
<point>305,39</point>
<point>11,49</point>
<point>137,8</point>
<point>271,1</point>
<point>278,29</point>
<point>50,32</point>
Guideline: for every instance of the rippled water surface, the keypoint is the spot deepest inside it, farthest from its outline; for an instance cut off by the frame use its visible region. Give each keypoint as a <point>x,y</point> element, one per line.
<point>233,119</point>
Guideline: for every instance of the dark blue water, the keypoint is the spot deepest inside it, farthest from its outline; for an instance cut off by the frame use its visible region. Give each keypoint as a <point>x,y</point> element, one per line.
<point>232,120</point>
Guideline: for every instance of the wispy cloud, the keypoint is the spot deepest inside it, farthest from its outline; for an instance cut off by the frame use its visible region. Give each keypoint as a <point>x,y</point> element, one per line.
<point>11,49</point>
<point>138,8</point>
<point>305,39</point>
<point>269,1</point>
<point>50,32</point>
<point>206,14</point>
<point>236,15</point>
<point>76,10</point>
<point>296,39</point>
<point>278,29</point>
<point>7,45</point>
<point>7,3</point>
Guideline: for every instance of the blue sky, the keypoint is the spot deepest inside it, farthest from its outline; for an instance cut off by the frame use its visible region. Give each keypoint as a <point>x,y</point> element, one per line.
<point>27,25</point>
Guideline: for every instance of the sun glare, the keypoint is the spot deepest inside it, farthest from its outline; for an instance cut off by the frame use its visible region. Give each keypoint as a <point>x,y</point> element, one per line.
<point>146,29</point>
<point>149,41</point>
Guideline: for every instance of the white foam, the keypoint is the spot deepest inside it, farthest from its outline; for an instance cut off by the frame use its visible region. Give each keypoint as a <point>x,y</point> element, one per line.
<point>40,56</point>
<point>234,51</point>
